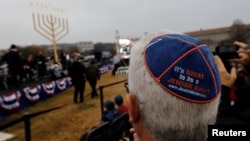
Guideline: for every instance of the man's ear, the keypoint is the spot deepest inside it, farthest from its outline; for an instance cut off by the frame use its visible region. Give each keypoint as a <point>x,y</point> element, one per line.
<point>134,109</point>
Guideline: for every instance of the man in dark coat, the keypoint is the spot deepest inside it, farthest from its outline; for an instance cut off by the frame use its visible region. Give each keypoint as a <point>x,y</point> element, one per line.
<point>93,74</point>
<point>77,73</point>
<point>14,62</point>
<point>40,60</point>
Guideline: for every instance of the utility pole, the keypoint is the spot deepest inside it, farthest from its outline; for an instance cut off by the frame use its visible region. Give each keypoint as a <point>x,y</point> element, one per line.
<point>117,37</point>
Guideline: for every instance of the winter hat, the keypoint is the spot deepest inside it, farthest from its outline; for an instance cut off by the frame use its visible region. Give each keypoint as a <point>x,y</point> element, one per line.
<point>183,66</point>
<point>118,99</point>
<point>13,46</point>
<point>109,105</point>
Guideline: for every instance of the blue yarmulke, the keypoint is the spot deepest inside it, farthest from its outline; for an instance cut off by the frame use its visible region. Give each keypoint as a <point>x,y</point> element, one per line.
<point>184,67</point>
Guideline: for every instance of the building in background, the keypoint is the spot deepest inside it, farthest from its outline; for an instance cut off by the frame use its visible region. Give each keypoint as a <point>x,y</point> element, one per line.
<point>212,37</point>
<point>85,46</point>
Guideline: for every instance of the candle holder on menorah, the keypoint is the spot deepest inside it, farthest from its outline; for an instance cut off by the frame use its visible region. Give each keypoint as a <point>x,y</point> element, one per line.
<point>49,22</point>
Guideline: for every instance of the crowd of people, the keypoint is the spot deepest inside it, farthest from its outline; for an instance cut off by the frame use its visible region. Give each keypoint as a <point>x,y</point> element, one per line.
<point>17,70</point>
<point>20,70</point>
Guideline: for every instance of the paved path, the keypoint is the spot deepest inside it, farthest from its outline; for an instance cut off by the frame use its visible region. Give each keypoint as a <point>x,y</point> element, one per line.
<point>5,136</point>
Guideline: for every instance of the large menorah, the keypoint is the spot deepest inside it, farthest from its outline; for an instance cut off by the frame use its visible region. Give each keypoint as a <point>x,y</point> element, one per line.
<point>49,21</point>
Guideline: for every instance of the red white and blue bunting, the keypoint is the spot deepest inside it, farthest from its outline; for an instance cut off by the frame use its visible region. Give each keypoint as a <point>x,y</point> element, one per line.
<point>32,93</point>
<point>61,84</point>
<point>104,69</point>
<point>49,87</point>
<point>69,81</point>
<point>11,101</point>
<point>21,99</point>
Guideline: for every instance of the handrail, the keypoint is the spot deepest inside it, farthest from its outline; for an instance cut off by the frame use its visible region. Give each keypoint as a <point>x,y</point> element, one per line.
<point>26,118</point>
<point>101,92</point>
<point>111,84</point>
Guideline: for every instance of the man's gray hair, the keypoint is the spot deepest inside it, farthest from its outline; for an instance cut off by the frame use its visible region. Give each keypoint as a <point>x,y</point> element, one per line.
<point>167,117</point>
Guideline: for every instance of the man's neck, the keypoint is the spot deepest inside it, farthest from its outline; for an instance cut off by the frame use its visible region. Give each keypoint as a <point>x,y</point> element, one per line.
<point>142,132</point>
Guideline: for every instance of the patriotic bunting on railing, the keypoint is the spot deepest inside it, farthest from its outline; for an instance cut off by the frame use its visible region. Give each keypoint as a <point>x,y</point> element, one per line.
<point>49,87</point>
<point>17,100</point>
<point>61,84</point>
<point>103,70</point>
<point>10,101</point>
<point>32,93</point>
<point>68,79</point>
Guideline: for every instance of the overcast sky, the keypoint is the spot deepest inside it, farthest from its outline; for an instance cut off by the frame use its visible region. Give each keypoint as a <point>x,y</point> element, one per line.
<point>97,20</point>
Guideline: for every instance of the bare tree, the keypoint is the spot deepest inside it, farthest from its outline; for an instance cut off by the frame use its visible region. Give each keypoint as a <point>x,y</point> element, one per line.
<point>238,31</point>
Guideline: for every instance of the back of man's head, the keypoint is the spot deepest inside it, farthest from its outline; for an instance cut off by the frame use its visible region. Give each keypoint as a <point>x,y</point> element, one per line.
<point>13,47</point>
<point>110,105</point>
<point>118,99</point>
<point>176,83</point>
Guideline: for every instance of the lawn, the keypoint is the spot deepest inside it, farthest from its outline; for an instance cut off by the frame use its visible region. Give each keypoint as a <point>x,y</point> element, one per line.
<point>69,122</point>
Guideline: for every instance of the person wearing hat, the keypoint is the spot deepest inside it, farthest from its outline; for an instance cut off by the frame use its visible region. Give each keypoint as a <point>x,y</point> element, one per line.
<point>119,102</point>
<point>174,88</point>
<point>110,113</point>
<point>14,61</point>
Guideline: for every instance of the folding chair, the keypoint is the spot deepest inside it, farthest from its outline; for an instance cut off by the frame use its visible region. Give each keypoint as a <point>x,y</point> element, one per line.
<point>98,133</point>
<point>119,128</point>
<point>122,71</point>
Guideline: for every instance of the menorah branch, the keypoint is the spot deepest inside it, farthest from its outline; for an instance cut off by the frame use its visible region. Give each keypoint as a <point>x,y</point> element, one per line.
<point>51,27</point>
